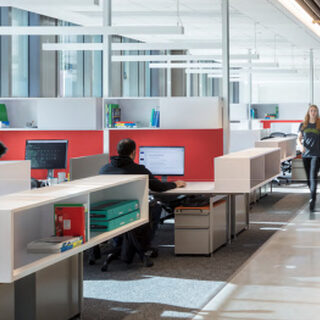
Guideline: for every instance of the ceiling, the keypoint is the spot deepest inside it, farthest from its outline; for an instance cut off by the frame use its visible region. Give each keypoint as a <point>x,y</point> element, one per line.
<point>261,25</point>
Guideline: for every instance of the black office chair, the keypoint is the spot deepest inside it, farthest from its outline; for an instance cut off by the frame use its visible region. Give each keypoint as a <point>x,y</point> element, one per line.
<point>291,135</point>
<point>277,134</point>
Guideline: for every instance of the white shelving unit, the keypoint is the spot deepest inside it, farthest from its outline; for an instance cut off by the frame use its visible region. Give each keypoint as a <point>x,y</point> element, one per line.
<point>287,146</point>
<point>175,112</point>
<point>28,215</point>
<point>246,170</point>
<point>54,113</point>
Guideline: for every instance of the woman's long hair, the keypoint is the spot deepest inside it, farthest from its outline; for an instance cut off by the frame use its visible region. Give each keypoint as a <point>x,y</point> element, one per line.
<point>307,118</point>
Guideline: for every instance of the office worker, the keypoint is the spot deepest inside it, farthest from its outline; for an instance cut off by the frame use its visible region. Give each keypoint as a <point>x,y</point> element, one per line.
<point>309,143</point>
<point>124,164</point>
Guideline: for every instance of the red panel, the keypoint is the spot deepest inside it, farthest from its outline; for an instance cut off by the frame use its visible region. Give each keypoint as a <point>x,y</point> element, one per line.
<point>267,123</point>
<point>81,143</point>
<point>201,147</point>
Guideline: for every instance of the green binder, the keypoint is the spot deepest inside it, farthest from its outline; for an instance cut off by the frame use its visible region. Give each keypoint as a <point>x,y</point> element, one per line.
<point>102,225</point>
<point>110,209</point>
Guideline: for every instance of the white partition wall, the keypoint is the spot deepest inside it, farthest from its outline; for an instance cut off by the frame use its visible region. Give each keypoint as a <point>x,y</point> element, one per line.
<point>245,139</point>
<point>14,176</point>
<point>190,113</point>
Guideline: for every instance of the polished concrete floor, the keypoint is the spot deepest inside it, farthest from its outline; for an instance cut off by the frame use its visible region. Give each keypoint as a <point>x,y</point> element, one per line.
<point>280,281</point>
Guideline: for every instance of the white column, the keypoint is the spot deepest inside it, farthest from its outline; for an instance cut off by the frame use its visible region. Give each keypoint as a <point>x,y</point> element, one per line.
<point>169,93</point>
<point>188,84</point>
<point>106,60</point>
<point>311,77</point>
<point>249,90</point>
<point>226,74</point>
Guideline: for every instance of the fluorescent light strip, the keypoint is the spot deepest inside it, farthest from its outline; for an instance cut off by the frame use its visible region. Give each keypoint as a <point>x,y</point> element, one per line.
<point>208,65</point>
<point>208,71</point>
<point>243,71</point>
<point>150,58</point>
<point>166,46</point>
<point>72,46</point>
<point>301,14</point>
<point>116,46</point>
<point>13,31</point>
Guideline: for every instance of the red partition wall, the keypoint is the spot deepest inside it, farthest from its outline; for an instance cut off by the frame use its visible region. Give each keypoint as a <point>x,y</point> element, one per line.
<point>267,123</point>
<point>81,143</point>
<point>201,147</point>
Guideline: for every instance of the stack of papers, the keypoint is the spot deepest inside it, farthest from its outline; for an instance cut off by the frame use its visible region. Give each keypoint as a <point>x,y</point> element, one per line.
<point>53,244</point>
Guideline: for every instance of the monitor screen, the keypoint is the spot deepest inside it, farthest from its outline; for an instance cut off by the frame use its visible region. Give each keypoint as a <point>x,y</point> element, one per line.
<point>166,161</point>
<point>47,154</point>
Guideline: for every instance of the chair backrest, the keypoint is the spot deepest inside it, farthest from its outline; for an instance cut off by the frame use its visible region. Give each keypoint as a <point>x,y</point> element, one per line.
<point>277,134</point>
<point>265,138</point>
<point>291,135</point>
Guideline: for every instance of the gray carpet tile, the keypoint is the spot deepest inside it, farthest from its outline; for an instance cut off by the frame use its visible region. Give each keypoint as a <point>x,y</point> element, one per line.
<point>176,287</point>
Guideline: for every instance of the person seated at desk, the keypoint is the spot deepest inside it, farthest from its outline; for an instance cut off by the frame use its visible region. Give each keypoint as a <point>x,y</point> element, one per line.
<point>124,164</point>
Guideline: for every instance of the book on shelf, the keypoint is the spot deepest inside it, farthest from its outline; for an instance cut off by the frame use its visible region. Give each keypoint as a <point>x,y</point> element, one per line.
<point>125,124</point>
<point>112,115</point>
<point>71,220</point>
<point>155,118</point>
<point>53,244</point>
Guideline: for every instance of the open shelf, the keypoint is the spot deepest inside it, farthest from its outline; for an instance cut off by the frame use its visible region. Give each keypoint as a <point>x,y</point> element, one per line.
<point>246,170</point>
<point>29,215</point>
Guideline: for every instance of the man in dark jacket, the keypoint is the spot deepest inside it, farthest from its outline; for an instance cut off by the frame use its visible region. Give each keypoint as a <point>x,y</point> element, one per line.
<point>124,164</point>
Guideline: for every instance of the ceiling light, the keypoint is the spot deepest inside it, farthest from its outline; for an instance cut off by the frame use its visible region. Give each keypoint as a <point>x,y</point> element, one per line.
<point>179,57</point>
<point>119,30</point>
<point>209,65</point>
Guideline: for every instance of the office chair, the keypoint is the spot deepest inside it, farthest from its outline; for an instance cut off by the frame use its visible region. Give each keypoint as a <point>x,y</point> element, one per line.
<point>291,135</point>
<point>277,135</point>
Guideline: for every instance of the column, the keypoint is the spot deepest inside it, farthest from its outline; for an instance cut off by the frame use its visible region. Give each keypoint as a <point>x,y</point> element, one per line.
<point>225,74</point>
<point>106,53</point>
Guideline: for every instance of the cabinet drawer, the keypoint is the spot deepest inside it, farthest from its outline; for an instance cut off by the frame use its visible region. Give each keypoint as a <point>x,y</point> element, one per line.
<point>191,221</point>
<point>192,241</point>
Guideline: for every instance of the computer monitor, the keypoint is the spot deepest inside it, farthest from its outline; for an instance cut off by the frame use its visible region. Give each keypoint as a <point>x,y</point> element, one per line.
<point>47,154</point>
<point>163,161</point>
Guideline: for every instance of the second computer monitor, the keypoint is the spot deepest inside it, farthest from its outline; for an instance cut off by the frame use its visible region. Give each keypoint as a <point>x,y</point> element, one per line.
<point>163,161</point>
<point>47,154</point>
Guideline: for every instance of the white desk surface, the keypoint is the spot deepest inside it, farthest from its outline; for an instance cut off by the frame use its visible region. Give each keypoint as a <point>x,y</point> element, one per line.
<point>249,153</point>
<point>195,187</point>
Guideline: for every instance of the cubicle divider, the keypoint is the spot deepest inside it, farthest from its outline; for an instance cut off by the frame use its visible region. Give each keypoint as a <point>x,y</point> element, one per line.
<point>81,143</point>
<point>201,147</point>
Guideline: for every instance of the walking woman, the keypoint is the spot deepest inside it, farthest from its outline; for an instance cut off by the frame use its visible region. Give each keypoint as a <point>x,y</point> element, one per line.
<point>309,143</point>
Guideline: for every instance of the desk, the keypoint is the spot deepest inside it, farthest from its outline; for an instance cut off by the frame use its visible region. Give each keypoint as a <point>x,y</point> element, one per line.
<point>207,187</point>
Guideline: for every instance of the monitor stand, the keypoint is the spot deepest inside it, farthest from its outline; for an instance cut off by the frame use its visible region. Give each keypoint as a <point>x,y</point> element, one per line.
<point>164,178</point>
<point>50,174</point>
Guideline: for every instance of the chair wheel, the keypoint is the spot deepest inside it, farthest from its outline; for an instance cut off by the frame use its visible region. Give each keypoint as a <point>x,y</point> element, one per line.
<point>92,262</point>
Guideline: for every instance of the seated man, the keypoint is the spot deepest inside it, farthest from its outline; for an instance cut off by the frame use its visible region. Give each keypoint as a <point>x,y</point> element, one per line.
<point>124,164</point>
